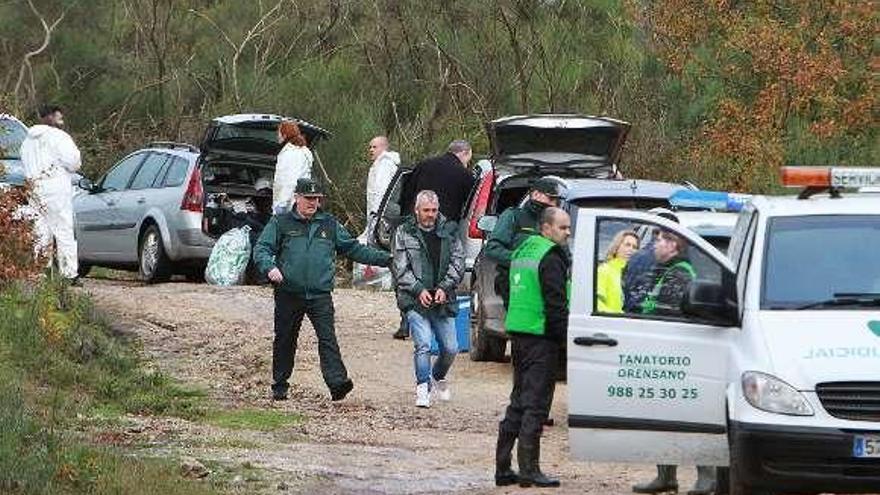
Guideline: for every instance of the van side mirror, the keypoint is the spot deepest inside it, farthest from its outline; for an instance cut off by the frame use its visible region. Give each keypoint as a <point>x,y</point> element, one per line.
<point>712,302</point>
<point>487,223</point>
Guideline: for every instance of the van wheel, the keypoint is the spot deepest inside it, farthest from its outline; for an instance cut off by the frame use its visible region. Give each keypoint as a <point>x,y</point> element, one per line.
<point>734,477</point>
<point>483,346</point>
<point>153,264</point>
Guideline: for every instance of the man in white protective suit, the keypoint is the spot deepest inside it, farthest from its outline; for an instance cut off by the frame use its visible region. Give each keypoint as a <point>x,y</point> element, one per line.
<point>50,157</point>
<point>385,163</point>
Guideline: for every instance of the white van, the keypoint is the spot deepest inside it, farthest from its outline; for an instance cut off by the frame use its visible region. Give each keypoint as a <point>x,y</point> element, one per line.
<point>769,365</point>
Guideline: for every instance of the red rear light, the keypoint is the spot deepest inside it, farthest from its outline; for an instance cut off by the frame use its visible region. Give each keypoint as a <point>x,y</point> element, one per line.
<point>480,207</point>
<point>193,197</point>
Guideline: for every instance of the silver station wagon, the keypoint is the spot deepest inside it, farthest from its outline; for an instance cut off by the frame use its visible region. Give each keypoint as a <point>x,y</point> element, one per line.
<point>159,210</point>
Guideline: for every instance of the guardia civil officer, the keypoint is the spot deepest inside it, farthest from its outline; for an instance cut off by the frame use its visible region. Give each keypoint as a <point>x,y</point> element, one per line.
<point>297,252</point>
<point>514,226</point>
<point>537,323</point>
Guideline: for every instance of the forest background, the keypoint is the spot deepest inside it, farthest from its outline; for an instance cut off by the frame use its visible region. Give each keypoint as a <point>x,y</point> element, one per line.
<point>720,92</point>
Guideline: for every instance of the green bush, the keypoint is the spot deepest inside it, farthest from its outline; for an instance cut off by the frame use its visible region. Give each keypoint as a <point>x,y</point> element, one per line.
<point>58,359</point>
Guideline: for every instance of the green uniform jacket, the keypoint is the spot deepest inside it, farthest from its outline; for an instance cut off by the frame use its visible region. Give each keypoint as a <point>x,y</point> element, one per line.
<point>413,268</point>
<point>514,226</point>
<point>305,252</point>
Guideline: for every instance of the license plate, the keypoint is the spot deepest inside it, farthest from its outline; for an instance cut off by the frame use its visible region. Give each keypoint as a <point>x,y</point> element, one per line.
<point>866,446</point>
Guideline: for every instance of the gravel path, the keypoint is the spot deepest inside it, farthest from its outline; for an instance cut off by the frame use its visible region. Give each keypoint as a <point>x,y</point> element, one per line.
<point>375,441</point>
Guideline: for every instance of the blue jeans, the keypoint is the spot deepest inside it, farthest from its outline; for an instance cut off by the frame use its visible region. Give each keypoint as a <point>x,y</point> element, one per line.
<point>421,329</point>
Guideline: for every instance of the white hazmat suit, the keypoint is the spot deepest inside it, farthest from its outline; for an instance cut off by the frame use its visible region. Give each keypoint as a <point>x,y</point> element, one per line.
<point>379,178</point>
<point>294,163</point>
<point>50,157</point>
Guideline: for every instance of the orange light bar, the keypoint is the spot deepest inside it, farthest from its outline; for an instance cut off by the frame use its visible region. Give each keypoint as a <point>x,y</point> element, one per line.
<point>806,176</point>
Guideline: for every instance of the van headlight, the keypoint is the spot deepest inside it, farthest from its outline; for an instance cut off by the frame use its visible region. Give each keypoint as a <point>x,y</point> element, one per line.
<point>768,393</point>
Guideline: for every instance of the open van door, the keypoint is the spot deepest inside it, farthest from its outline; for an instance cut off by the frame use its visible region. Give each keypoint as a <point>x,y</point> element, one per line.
<point>391,213</point>
<point>649,385</point>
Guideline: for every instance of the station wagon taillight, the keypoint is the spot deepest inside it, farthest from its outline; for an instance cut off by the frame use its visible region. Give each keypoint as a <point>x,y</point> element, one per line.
<point>193,197</point>
<point>482,202</point>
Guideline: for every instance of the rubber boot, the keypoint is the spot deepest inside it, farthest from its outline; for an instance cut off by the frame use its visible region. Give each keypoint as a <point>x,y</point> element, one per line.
<point>528,454</point>
<point>504,476</point>
<point>705,484</point>
<point>664,482</point>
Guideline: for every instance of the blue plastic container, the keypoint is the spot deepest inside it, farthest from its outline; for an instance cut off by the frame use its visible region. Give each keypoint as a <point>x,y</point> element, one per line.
<point>462,327</point>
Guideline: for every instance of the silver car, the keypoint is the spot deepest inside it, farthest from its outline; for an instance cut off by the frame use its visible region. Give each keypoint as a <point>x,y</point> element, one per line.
<point>145,213</point>
<point>159,210</point>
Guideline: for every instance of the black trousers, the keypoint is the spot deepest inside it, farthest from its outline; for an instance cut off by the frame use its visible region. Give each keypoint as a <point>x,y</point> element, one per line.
<point>289,313</point>
<point>534,378</point>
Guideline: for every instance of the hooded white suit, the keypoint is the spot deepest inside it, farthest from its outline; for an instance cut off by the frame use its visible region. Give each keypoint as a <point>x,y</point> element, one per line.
<point>49,157</point>
<point>379,178</point>
<point>294,163</point>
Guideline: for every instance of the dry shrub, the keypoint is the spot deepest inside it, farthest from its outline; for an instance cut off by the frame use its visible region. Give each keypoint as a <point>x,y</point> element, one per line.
<point>17,236</point>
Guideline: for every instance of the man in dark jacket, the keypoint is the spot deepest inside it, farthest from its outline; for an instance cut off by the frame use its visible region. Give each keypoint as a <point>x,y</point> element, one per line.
<point>537,323</point>
<point>428,265</point>
<point>514,226</point>
<point>673,276</point>
<point>297,252</point>
<point>447,175</point>
<point>638,275</point>
<point>671,280</point>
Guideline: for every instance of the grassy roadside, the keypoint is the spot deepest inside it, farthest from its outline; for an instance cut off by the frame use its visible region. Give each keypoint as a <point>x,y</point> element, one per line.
<point>58,360</point>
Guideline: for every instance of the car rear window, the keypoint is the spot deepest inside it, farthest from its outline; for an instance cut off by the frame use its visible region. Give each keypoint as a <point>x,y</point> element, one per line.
<point>176,172</point>
<point>625,203</point>
<point>514,139</point>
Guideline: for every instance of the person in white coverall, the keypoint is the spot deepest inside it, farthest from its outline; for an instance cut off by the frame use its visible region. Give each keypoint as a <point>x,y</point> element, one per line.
<point>294,163</point>
<point>50,157</point>
<point>385,163</point>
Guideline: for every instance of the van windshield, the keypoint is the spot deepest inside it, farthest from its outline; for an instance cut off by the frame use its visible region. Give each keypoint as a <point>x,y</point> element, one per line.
<point>829,262</point>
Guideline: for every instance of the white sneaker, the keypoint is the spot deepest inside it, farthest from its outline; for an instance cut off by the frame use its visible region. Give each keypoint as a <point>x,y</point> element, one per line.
<point>441,388</point>
<point>423,396</point>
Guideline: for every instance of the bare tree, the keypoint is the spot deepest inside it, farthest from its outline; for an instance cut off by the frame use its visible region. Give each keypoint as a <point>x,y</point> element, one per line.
<point>26,68</point>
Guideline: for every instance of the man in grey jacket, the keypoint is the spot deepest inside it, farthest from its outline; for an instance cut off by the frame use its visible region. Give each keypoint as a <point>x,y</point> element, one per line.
<point>428,265</point>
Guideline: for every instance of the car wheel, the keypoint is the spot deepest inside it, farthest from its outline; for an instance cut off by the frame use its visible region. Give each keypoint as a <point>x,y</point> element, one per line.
<point>153,264</point>
<point>483,346</point>
<point>83,270</point>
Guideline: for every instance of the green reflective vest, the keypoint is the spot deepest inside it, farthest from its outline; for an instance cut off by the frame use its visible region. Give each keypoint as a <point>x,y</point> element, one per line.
<point>526,308</point>
<point>649,305</point>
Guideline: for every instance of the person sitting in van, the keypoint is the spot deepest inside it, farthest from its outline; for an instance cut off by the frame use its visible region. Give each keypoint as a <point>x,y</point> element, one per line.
<point>609,288</point>
<point>673,276</point>
<point>638,275</point>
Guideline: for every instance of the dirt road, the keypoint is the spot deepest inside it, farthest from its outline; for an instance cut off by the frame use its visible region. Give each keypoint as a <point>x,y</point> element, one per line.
<point>375,441</point>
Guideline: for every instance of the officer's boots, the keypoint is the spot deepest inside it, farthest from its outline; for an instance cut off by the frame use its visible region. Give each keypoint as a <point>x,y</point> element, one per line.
<point>528,453</point>
<point>664,482</point>
<point>504,476</point>
<point>705,484</point>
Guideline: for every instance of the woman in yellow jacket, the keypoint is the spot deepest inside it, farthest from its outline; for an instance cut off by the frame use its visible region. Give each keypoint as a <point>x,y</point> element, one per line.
<point>609,291</point>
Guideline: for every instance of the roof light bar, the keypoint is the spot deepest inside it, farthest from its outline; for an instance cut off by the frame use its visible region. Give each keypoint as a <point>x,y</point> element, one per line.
<point>713,200</point>
<point>830,176</point>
